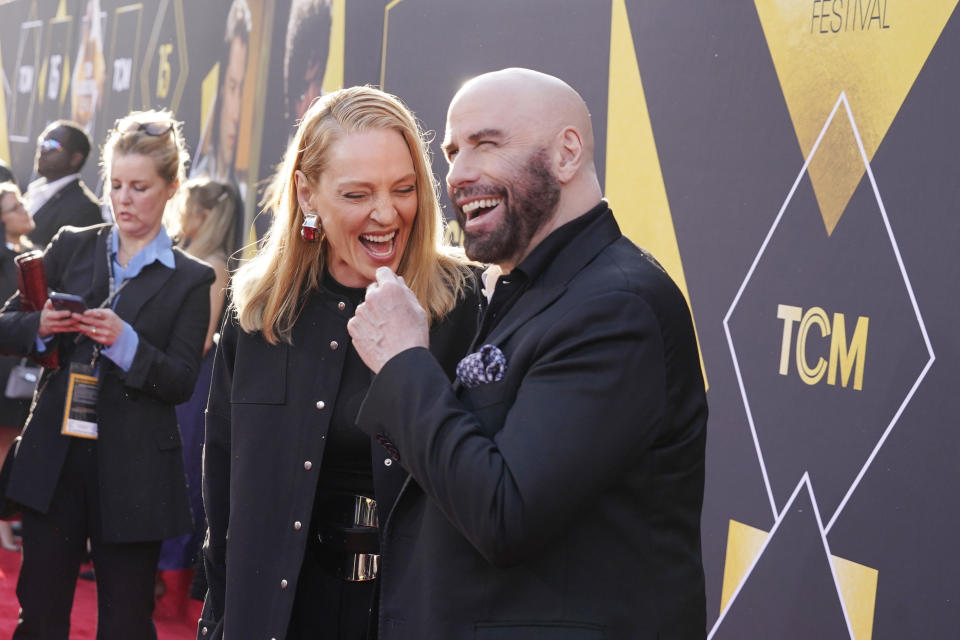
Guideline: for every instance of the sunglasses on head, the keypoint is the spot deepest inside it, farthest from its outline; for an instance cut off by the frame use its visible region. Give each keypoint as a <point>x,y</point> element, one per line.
<point>49,144</point>
<point>149,128</point>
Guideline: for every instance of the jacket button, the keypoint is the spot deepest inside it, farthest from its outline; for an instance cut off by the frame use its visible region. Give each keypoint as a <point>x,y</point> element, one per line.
<point>297,525</point>
<point>321,404</point>
<point>387,462</point>
<point>334,345</point>
<point>283,583</point>
<point>307,465</point>
<point>204,631</point>
<point>341,305</point>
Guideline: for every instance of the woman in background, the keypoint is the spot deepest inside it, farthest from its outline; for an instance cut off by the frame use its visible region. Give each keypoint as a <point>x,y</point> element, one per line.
<point>15,224</point>
<point>100,455</point>
<point>207,231</point>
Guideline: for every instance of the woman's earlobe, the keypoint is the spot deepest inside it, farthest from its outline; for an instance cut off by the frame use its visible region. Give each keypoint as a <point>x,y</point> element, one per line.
<point>310,228</point>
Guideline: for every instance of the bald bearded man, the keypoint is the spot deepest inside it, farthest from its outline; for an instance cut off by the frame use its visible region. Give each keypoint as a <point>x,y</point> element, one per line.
<point>556,487</point>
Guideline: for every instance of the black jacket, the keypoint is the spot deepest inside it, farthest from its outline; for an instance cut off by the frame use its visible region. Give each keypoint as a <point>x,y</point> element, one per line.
<point>143,493</point>
<point>562,501</point>
<point>12,412</point>
<point>267,421</point>
<point>72,205</point>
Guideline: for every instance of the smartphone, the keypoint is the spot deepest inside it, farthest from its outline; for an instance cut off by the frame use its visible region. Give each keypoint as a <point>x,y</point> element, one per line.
<point>67,301</point>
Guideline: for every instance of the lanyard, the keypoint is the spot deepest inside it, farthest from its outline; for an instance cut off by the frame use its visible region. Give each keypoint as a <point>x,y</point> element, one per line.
<point>114,290</point>
<point>108,302</point>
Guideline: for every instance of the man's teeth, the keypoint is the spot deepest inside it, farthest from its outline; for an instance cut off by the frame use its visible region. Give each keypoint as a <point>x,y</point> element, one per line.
<point>485,203</point>
<point>387,237</point>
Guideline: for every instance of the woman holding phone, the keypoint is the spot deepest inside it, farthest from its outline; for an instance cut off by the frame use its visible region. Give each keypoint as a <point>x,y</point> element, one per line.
<point>100,456</point>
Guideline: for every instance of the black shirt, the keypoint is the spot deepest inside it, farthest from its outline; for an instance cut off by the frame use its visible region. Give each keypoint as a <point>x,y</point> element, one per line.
<point>347,466</point>
<point>512,285</point>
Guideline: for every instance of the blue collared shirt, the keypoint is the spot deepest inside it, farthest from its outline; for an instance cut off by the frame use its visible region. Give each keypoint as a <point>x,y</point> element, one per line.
<point>159,250</point>
<point>124,348</point>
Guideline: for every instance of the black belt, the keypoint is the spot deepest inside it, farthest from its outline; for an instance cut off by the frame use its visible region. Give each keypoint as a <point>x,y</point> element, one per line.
<point>346,536</point>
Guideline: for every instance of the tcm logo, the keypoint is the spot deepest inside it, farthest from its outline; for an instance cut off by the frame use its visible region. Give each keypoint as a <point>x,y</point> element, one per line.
<point>122,71</point>
<point>53,79</point>
<point>846,356</point>
<point>25,79</point>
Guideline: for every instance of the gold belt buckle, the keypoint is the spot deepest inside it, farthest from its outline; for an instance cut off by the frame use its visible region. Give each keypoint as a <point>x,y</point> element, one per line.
<point>355,511</point>
<point>360,567</point>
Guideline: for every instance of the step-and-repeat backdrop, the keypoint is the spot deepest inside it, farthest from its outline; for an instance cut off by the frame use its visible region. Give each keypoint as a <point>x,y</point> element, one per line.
<point>794,165</point>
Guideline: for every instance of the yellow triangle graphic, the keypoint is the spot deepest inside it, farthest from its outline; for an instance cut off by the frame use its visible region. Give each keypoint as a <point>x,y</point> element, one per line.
<point>208,93</point>
<point>858,583</point>
<point>333,75</point>
<point>872,50</point>
<point>743,546</point>
<point>4,142</point>
<point>250,249</point>
<point>634,182</point>
<point>42,81</point>
<point>64,79</point>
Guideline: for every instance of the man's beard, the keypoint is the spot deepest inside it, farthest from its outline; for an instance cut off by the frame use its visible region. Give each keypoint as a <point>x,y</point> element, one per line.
<point>528,203</point>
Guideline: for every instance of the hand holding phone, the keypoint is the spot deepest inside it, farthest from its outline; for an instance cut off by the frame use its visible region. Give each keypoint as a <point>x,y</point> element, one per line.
<point>67,302</point>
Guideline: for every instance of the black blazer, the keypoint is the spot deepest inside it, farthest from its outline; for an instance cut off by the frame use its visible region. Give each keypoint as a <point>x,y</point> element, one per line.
<point>143,494</point>
<point>72,205</point>
<point>12,412</point>
<point>562,501</point>
<point>267,420</point>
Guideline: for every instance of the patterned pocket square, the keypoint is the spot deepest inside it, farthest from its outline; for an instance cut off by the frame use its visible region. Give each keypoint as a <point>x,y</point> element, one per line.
<point>482,367</point>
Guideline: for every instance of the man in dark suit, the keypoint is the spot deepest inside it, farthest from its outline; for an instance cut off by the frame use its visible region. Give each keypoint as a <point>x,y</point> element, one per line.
<point>556,487</point>
<point>59,197</point>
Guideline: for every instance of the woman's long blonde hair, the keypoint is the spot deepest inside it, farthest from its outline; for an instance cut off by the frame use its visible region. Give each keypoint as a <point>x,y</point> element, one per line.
<point>268,289</point>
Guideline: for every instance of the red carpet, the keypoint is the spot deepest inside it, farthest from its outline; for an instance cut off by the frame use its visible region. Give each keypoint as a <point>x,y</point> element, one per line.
<point>175,615</point>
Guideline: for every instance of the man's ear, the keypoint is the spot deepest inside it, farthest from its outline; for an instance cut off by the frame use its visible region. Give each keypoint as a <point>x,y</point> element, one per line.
<point>570,154</point>
<point>76,161</point>
<point>304,191</point>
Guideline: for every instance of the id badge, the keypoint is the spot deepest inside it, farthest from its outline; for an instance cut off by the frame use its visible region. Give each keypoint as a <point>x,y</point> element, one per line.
<point>80,414</point>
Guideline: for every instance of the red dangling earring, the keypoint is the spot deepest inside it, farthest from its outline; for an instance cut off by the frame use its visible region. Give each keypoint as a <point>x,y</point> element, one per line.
<point>310,229</point>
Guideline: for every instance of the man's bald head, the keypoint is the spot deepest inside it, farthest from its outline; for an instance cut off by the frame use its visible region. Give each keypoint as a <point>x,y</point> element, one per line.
<point>520,148</point>
<point>544,103</point>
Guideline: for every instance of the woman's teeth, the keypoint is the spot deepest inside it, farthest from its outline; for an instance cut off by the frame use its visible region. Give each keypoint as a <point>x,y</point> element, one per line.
<point>378,244</point>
